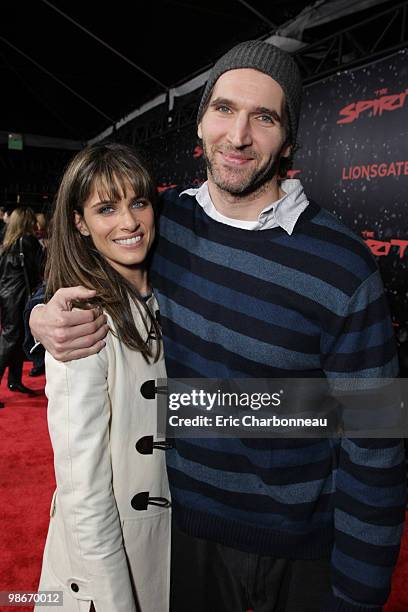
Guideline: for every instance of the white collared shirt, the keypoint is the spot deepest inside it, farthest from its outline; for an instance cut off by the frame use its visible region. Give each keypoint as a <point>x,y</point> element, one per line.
<point>282,213</point>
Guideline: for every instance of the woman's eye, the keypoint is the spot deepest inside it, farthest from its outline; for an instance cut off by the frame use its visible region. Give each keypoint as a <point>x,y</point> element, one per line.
<point>104,210</point>
<point>139,203</point>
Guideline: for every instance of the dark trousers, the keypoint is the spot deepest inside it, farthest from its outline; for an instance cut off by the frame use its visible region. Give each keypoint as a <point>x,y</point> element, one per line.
<point>209,577</point>
<point>11,339</point>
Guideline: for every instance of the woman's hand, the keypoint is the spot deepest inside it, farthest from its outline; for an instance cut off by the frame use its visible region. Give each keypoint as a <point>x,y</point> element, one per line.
<point>65,333</point>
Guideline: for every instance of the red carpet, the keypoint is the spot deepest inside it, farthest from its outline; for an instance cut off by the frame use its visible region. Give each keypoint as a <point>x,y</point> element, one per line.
<point>27,484</point>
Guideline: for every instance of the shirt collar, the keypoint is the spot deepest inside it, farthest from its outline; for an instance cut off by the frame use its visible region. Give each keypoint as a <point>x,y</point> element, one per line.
<point>282,213</point>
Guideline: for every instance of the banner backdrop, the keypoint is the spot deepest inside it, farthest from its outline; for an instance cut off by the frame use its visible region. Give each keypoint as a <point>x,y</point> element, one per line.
<point>353,160</point>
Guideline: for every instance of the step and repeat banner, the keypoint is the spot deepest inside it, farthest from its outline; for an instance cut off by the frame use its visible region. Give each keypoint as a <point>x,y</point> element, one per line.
<point>353,160</point>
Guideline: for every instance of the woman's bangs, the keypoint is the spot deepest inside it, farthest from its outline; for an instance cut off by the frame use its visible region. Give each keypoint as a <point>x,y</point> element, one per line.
<point>113,181</point>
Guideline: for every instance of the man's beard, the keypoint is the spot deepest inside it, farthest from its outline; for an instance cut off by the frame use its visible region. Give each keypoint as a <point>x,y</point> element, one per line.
<point>249,184</point>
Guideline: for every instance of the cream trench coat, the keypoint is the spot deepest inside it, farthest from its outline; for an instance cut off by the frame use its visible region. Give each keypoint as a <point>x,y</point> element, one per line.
<point>99,548</point>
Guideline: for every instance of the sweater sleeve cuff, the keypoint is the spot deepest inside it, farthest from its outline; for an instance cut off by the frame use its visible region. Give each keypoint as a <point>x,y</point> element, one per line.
<point>336,604</point>
<point>37,343</point>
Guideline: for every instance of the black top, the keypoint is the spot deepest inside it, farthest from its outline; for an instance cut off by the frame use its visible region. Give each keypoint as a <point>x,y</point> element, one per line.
<point>12,282</point>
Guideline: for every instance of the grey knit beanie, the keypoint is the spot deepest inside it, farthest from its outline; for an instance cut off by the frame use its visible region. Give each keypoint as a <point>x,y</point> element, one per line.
<point>270,60</point>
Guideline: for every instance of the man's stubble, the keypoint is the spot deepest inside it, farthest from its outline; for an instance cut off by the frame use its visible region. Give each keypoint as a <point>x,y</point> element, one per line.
<point>255,181</point>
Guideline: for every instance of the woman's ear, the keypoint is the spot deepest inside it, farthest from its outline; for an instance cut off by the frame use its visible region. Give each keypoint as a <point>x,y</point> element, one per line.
<point>80,224</point>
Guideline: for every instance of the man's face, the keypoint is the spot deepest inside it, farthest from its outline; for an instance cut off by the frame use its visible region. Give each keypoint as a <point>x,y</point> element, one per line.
<point>242,131</point>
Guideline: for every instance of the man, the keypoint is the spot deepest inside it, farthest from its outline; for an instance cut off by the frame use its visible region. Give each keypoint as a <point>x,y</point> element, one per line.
<point>253,280</point>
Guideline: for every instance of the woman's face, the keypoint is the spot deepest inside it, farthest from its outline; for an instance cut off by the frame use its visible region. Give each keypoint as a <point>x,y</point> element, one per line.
<point>121,231</point>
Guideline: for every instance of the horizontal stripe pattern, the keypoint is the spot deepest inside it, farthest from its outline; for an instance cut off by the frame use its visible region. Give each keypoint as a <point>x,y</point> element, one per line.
<point>263,457</point>
<point>257,266</point>
<point>242,304</point>
<point>236,301</point>
<point>186,450</point>
<point>241,482</point>
<point>267,510</point>
<point>366,573</point>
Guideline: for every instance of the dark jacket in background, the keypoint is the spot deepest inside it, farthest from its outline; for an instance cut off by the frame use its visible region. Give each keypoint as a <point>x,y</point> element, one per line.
<point>13,297</point>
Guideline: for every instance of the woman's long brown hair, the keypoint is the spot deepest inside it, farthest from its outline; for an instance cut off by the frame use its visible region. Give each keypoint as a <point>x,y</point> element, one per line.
<point>22,222</point>
<point>72,258</point>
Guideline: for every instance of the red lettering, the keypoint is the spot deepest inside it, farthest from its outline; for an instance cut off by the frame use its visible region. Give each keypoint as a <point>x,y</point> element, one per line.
<point>378,248</point>
<point>391,103</point>
<point>365,171</point>
<point>349,112</point>
<point>394,168</point>
<point>356,172</point>
<point>292,173</point>
<point>365,105</point>
<point>382,170</point>
<point>401,244</point>
<point>161,188</point>
<point>374,170</point>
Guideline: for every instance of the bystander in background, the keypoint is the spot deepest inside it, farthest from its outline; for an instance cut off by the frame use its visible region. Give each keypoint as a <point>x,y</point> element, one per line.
<point>20,273</point>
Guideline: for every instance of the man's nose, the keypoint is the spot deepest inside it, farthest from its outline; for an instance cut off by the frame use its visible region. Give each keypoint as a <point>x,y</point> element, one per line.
<point>240,134</point>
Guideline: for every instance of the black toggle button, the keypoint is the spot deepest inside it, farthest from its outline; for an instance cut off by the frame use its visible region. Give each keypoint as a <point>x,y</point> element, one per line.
<point>148,389</point>
<point>74,587</point>
<point>141,500</point>
<point>145,445</point>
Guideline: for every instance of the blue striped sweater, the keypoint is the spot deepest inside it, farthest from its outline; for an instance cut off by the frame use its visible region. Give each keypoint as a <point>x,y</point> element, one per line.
<point>236,303</point>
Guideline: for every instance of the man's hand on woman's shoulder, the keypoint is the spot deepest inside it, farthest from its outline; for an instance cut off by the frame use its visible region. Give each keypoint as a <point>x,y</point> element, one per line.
<point>65,333</point>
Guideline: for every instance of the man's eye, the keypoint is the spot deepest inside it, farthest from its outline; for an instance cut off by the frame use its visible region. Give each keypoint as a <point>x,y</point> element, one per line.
<point>223,109</point>
<point>266,119</point>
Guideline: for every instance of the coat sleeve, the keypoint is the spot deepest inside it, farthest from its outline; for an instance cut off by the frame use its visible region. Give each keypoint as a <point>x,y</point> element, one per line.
<point>370,483</point>
<point>33,259</point>
<point>78,417</point>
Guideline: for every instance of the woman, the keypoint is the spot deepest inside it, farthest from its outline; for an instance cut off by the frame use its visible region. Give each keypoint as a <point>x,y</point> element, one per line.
<point>20,273</point>
<point>108,543</point>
